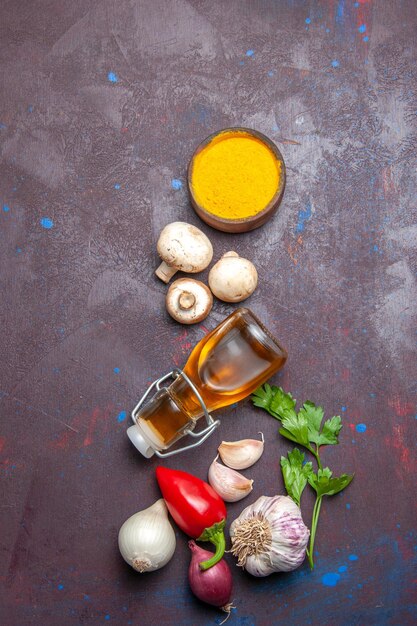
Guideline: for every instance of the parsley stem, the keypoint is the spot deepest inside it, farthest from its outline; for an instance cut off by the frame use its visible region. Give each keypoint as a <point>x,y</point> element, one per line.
<point>316,455</point>
<point>314,522</point>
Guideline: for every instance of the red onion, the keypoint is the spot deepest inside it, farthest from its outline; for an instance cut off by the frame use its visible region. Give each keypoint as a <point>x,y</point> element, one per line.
<point>214,585</point>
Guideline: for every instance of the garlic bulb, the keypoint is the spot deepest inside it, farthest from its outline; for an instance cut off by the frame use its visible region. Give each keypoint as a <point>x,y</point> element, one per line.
<point>269,536</point>
<point>147,539</point>
<point>241,454</point>
<point>230,485</point>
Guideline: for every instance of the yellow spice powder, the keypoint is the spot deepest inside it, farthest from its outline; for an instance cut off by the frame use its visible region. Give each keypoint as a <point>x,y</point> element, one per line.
<point>235,175</point>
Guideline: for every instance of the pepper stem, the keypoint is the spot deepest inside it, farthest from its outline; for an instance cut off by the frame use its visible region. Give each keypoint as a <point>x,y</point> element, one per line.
<point>214,535</point>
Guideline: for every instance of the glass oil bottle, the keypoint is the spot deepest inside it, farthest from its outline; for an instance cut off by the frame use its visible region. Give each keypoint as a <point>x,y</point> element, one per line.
<point>226,366</point>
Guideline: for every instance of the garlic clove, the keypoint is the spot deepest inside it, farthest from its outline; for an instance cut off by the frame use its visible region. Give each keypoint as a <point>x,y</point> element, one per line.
<point>241,454</point>
<point>230,485</point>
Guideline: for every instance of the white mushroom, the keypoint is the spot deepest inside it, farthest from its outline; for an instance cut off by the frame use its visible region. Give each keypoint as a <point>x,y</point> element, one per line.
<point>233,278</point>
<point>184,247</point>
<point>188,301</point>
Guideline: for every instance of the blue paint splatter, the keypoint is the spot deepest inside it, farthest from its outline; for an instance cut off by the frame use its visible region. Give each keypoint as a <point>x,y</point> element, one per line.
<point>112,77</point>
<point>330,580</point>
<point>122,416</point>
<point>46,222</point>
<point>335,63</point>
<point>375,248</point>
<point>340,10</point>
<point>303,216</point>
<point>86,597</point>
<point>116,370</point>
<point>356,5</point>
<point>107,617</point>
<point>18,250</point>
<point>353,557</point>
<point>362,28</point>
<point>270,73</point>
<point>30,108</point>
<point>176,184</point>
<point>117,186</point>
<point>343,408</point>
<point>60,587</point>
<point>365,39</point>
<point>348,506</point>
<point>250,53</point>
<point>361,428</point>
<point>327,30</point>
<point>2,126</point>
<point>6,208</point>
<point>308,20</point>
<point>342,568</point>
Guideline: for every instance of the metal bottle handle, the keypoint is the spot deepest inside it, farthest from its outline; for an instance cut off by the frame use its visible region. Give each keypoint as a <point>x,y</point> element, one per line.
<point>201,435</point>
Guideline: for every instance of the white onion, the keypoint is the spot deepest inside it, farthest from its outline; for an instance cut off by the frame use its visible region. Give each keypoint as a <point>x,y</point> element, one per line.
<point>147,540</point>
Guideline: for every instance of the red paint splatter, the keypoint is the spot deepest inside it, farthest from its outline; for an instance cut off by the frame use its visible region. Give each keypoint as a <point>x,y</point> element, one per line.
<point>345,375</point>
<point>402,409</point>
<point>88,439</point>
<point>96,422</point>
<point>63,440</point>
<point>388,183</point>
<point>397,443</point>
<point>292,250</point>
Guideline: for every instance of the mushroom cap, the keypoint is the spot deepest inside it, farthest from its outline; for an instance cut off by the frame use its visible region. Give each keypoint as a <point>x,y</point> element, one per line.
<point>185,247</point>
<point>188,300</point>
<point>232,278</point>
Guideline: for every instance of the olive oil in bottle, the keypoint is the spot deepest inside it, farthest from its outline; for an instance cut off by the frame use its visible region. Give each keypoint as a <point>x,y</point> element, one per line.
<point>225,366</point>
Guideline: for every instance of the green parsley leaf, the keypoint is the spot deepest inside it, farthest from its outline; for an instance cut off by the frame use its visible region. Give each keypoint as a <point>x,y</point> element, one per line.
<point>295,428</point>
<point>282,403</point>
<point>330,433</point>
<point>325,484</point>
<point>274,400</point>
<point>314,416</point>
<point>295,473</point>
<point>263,397</point>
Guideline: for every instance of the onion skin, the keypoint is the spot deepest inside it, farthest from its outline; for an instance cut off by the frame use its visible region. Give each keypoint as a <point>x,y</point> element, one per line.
<point>213,586</point>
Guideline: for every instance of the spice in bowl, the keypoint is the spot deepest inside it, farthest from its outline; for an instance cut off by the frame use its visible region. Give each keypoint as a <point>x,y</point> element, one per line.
<point>236,179</point>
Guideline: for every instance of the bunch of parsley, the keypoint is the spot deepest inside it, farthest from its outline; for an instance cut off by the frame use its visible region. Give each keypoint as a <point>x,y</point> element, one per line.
<point>305,428</point>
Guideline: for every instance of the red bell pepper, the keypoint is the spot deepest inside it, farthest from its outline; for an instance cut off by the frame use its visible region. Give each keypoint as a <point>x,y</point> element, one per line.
<point>197,509</point>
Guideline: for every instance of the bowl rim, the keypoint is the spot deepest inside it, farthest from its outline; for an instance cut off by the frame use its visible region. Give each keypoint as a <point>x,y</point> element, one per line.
<point>253,220</point>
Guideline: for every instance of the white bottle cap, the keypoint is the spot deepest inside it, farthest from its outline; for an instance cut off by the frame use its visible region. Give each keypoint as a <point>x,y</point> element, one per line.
<point>139,441</point>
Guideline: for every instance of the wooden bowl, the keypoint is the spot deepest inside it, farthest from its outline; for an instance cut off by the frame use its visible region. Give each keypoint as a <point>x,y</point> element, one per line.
<point>241,225</point>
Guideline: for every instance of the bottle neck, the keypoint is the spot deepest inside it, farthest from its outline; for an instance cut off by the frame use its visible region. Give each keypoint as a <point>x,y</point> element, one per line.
<point>185,398</point>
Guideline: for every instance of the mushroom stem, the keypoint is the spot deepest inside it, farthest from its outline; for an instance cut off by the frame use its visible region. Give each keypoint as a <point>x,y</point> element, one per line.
<point>165,272</point>
<point>186,300</point>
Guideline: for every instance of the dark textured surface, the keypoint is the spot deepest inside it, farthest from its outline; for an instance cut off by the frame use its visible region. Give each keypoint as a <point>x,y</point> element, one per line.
<point>101,106</point>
